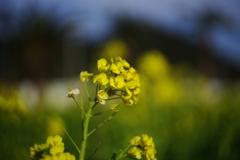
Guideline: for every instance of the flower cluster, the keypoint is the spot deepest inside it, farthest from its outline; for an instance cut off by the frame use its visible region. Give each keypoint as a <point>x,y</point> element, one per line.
<point>142,147</point>
<point>53,149</point>
<point>117,76</point>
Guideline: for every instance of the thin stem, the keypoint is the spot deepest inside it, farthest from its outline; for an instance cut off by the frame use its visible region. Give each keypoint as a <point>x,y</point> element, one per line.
<point>101,124</point>
<point>86,88</point>
<point>101,112</point>
<point>80,107</point>
<point>82,114</point>
<point>95,151</point>
<point>121,155</point>
<point>96,90</point>
<point>79,151</point>
<point>112,98</point>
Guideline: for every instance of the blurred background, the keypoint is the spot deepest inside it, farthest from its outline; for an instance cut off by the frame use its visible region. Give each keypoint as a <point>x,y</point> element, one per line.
<point>186,52</point>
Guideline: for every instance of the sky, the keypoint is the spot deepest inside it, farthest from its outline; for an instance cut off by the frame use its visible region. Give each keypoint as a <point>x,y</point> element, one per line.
<point>95,18</point>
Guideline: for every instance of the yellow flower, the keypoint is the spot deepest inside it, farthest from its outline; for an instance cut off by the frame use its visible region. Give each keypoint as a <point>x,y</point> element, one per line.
<point>126,94</point>
<point>57,149</point>
<point>116,67</point>
<point>129,74</point>
<point>102,96</point>
<point>128,101</point>
<point>72,93</point>
<point>135,141</point>
<point>132,84</point>
<point>38,148</point>
<point>125,64</point>
<point>53,141</point>
<point>84,76</point>
<point>150,153</point>
<point>47,157</point>
<point>146,141</point>
<point>135,99</point>
<point>136,91</point>
<point>67,156</point>
<point>117,82</point>
<point>135,152</point>
<point>101,79</point>
<point>102,64</point>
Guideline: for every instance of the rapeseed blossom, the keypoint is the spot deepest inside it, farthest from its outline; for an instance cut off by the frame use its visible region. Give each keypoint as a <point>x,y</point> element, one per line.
<point>84,76</point>
<point>53,149</point>
<point>103,65</point>
<point>101,79</point>
<point>135,141</point>
<point>116,76</point>
<point>142,146</point>
<point>135,152</point>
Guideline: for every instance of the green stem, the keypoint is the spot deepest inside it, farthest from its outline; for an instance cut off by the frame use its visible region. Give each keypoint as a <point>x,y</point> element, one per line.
<point>101,124</point>
<point>85,130</point>
<point>102,112</point>
<point>79,151</point>
<point>80,107</point>
<point>121,155</point>
<point>86,88</point>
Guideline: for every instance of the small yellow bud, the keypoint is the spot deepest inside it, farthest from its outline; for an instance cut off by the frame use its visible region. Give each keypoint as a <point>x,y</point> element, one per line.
<point>102,96</point>
<point>114,107</point>
<point>84,76</point>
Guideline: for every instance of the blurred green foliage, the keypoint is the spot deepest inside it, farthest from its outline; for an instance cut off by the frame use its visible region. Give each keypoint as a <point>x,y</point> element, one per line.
<point>188,115</point>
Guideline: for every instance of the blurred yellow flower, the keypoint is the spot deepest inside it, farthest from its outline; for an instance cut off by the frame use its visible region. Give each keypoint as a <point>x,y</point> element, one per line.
<point>157,64</point>
<point>115,48</point>
<point>66,156</point>
<point>150,153</point>
<point>57,149</point>
<point>102,96</point>
<point>72,93</point>
<point>103,65</point>
<point>135,152</point>
<point>37,148</point>
<point>47,157</point>
<point>56,140</point>
<point>101,79</point>
<point>135,141</point>
<point>54,126</point>
<point>146,141</point>
<point>84,76</point>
